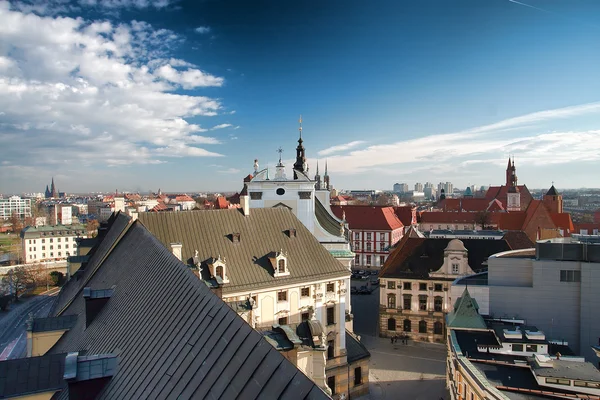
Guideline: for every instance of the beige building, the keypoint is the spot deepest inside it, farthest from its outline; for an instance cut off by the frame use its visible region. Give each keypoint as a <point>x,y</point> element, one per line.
<point>50,243</point>
<point>271,269</point>
<point>416,279</point>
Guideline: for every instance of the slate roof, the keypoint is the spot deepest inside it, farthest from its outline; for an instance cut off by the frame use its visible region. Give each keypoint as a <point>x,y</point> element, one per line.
<point>173,337</point>
<point>53,323</point>
<point>326,220</point>
<point>415,258</point>
<point>31,375</point>
<point>376,218</point>
<point>355,349</point>
<point>263,231</point>
<point>465,314</point>
<point>117,226</point>
<point>552,191</point>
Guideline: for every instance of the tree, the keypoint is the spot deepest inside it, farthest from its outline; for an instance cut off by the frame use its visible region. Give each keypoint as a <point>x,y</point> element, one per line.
<point>57,278</point>
<point>15,223</point>
<point>383,200</point>
<point>482,218</point>
<point>92,226</point>
<point>19,279</point>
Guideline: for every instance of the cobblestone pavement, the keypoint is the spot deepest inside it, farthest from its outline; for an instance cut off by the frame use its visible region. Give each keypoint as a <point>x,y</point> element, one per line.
<point>396,371</point>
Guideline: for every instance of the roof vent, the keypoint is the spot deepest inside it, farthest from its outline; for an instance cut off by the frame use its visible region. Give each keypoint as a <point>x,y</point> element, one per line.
<point>235,237</point>
<point>292,232</point>
<point>94,301</point>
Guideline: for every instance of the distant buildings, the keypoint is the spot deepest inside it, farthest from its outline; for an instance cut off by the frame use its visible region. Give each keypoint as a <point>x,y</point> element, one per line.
<point>15,205</point>
<point>50,243</point>
<point>52,192</point>
<point>418,187</point>
<point>447,188</point>
<point>499,358</point>
<point>400,188</point>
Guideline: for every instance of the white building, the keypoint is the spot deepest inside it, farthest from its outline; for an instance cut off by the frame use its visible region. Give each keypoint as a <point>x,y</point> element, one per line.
<point>66,215</point>
<point>308,199</point>
<point>50,243</point>
<point>15,205</point>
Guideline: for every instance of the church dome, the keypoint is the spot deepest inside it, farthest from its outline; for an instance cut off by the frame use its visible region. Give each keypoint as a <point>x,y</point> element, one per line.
<point>456,245</point>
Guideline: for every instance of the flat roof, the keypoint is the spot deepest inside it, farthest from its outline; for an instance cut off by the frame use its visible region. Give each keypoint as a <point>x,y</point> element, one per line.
<point>576,370</point>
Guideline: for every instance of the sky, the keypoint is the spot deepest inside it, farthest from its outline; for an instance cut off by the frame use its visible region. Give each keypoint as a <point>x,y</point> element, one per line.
<point>137,95</point>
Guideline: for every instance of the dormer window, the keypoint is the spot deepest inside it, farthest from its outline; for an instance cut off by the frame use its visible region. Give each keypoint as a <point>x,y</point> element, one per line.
<point>455,268</point>
<point>218,269</point>
<point>279,262</point>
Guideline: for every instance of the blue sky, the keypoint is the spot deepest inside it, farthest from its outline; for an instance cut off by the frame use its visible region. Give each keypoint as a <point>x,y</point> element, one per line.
<point>184,95</point>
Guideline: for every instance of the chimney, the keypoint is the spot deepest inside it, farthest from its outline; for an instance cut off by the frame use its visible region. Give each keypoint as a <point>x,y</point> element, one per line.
<point>245,204</point>
<point>176,249</point>
<point>94,301</point>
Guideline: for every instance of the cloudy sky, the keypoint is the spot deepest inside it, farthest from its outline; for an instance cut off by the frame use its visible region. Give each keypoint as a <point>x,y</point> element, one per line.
<point>184,95</point>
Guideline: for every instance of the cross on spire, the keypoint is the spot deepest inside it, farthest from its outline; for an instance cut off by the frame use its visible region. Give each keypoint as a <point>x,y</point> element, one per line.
<point>280,151</point>
<point>300,127</point>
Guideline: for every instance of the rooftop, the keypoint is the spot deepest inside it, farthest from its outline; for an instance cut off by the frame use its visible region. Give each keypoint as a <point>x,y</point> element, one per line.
<point>377,218</point>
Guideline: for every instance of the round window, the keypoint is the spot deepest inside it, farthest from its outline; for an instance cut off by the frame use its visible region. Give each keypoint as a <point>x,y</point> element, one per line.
<point>280,191</point>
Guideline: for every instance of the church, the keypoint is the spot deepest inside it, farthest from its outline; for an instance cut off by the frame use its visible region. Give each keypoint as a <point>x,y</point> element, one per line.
<point>308,199</point>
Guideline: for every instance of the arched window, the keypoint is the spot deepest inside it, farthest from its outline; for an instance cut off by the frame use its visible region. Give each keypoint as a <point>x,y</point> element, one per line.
<point>437,328</point>
<point>422,326</point>
<point>391,300</point>
<point>219,271</point>
<point>391,324</point>
<point>281,266</point>
<point>407,327</point>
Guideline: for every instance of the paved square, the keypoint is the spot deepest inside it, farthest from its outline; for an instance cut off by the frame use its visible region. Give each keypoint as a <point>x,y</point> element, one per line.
<point>412,371</point>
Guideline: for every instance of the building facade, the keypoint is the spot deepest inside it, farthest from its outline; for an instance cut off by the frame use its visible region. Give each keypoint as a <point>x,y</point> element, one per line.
<point>14,205</point>
<point>50,243</point>
<point>373,230</point>
<point>415,282</point>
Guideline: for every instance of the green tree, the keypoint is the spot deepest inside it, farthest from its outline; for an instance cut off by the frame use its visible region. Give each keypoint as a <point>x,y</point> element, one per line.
<point>57,278</point>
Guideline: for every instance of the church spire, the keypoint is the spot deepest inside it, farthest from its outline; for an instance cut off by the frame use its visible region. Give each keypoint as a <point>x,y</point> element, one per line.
<point>318,178</point>
<point>326,178</point>
<point>300,164</point>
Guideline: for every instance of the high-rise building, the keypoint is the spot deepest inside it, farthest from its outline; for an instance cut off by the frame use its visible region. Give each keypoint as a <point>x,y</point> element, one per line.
<point>418,187</point>
<point>15,205</point>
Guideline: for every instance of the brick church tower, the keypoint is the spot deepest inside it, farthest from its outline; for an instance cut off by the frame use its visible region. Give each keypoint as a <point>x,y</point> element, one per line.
<point>553,200</point>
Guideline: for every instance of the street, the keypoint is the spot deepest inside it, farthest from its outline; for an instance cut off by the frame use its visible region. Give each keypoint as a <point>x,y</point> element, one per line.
<point>13,323</point>
<point>397,371</point>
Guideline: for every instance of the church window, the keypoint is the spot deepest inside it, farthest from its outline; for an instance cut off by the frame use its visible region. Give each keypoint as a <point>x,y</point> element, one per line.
<point>280,191</point>
<point>281,266</point>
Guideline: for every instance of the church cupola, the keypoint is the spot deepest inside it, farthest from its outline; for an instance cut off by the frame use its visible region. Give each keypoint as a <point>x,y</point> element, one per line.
<point>280,168</point>
<point>553,200</point>
<point>300,164</point>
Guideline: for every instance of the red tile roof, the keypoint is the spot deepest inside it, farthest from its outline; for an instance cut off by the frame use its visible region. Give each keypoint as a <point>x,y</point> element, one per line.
<point>221,203</point>
<point>563,221</point>
<point>406,214</point>
<point>512,221</point>
<point>590,226</point>
<point>456,217</point>
<point>378,218</point>
<point>183,197</point>
<point>499,193</point>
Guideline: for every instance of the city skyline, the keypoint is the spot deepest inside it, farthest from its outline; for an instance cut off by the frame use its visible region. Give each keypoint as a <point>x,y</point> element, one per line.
<point>181,95</point>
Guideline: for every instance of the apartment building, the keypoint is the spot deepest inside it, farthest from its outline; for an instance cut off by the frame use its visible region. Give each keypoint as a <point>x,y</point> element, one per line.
<point>50,243</point>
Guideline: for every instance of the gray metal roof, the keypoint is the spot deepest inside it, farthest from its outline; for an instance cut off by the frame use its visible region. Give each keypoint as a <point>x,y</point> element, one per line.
<point>173,337</point>
<point>247,261</point>
<point>31,375</point>
<point>355,349</point>
<point>326,220</point>
<point>584,371</point>
<point>53,323</point>
<point>118,225</point>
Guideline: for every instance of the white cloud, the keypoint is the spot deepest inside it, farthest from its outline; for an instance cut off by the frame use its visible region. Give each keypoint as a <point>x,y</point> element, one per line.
<point>220,126</point>
<point>97,92</point>
<point>202,29</point>
<point>481,144</point>
<point>341,147</point>
<point>53,7</point>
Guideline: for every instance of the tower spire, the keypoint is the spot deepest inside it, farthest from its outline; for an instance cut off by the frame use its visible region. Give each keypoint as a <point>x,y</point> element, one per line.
<point>300,164</point>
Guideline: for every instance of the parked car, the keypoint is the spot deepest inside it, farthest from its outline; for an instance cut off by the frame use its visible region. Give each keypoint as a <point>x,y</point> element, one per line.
<point>374,281</point>
<point>374,272</point>
<point>353,290</point>
<point>364,277</point>
<point>364,290</point>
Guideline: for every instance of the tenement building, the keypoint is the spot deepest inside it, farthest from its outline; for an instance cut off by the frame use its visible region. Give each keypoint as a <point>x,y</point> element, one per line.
<point>308,199</point>
<point>135,323</point>
<point>15,206</point>
<point>495,359</point>
<point>416,279</point>
<point>374,229</point>
<point>268,266</point>
<point>50,243</point>
<point>555,286</point>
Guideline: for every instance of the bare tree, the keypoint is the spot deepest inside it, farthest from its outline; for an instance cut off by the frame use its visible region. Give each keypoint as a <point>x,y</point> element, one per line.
<point>482,218</point>
<point>15,223</point>
<point>20,279</point>
<point>92,226</point>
